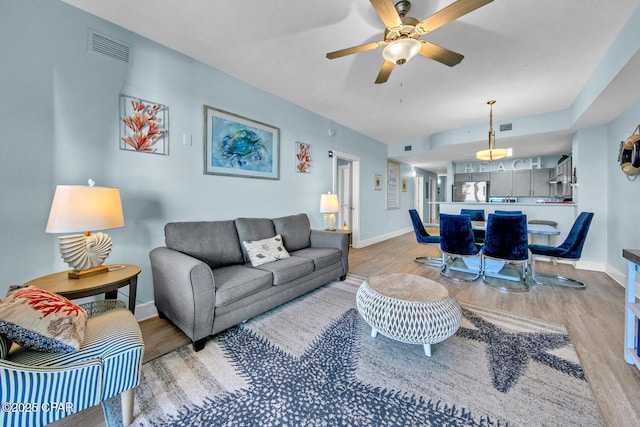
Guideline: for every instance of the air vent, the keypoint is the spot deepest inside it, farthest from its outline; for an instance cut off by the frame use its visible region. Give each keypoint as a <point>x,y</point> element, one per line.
<point>408,148</point>
<point>506,126</point>
<point>103,45</point>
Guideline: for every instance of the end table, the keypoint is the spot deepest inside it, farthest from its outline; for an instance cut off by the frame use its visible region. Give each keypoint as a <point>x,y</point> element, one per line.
<point>106,283</point>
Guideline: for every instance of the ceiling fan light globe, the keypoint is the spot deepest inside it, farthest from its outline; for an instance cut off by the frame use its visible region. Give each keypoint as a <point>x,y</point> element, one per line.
<point>401,51</point>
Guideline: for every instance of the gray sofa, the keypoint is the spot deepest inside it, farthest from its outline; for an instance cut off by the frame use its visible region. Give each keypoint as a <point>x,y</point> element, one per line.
<point>204,283</point>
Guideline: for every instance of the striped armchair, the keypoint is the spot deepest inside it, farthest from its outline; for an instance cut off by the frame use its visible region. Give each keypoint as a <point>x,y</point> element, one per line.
<point>38,388</point>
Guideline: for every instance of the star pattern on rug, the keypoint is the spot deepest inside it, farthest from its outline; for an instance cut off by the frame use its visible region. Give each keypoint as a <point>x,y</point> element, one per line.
<point>509,353</point>
<point>319,388</point>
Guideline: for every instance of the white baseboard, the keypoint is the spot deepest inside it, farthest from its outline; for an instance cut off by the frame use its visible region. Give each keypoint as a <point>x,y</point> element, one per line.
<point>383,237</point>
<point>146,311</point>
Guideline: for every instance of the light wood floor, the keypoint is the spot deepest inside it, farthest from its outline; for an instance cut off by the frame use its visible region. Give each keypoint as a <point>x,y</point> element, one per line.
<point>594,318</point>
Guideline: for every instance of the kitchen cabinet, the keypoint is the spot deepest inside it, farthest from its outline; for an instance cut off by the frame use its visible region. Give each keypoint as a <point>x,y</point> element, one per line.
<point>520,183</point>
<point>562,179</point>
<point>466,177</point>
<point>540,182</point>
<point>501,184</point>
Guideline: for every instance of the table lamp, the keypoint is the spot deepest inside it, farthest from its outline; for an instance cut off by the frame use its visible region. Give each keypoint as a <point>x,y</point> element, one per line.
<point>328,206</point>
<point>78,208</point>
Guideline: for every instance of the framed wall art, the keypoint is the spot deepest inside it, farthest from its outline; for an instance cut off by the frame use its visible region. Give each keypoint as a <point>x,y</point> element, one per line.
<point>404,185</point>
<point>377,184</point>
<point>302,157</point>
<point>238,146</point>
<point>393,185</point>
<point>144,126</point>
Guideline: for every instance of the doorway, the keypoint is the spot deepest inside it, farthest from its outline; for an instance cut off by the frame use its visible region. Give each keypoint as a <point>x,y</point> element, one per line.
<point>418,196</point>
<point>346,184</point>
<point>433,199</point>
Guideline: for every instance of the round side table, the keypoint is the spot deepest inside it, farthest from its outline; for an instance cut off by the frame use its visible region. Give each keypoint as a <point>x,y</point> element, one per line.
<point>408,308</point>
<point>106,283</point>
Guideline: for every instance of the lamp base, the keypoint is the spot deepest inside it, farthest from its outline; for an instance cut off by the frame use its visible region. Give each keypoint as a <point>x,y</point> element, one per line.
<point>80,274</point>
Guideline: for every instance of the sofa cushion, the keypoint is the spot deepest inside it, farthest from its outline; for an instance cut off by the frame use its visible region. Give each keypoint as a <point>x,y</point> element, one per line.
<point>213,242</point>
<point>238,281</point>
<point>265,250</point>
<point>321,257</point>
<point>288,269</point>
<point>249,229</point>
<point>295,231</point>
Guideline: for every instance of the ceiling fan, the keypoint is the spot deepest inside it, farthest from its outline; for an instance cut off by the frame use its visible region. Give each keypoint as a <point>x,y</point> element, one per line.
<point>402,34</point>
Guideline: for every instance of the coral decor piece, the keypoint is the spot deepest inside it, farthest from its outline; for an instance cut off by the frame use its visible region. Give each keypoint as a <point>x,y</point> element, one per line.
<point>143,126</point>
<point>303,157</point>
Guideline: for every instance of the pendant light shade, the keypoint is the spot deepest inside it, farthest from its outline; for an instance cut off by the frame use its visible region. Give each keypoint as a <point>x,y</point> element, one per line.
<point>401,51</point>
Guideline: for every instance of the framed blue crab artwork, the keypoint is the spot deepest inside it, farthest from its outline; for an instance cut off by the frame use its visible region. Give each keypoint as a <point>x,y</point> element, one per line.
<point>238,146</point>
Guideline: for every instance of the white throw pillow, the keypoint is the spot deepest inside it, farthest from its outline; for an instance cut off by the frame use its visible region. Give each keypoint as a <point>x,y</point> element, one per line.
<point>266,250</point>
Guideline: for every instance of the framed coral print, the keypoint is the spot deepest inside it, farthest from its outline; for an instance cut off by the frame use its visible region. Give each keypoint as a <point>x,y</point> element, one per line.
<point>302,157</point>
<point>404,185</point>
<point>393,185</point>
<point>144,126</point>
<point>377,184</point>
<point>238,146</point>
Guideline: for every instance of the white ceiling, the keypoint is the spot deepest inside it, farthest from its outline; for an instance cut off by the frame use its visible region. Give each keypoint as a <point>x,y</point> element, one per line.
<point>532,56</point>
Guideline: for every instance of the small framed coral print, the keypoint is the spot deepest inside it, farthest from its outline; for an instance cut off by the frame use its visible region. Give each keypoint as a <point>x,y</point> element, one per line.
<point>144,126</point>
<point>238,146</point>
<point>302,157</point>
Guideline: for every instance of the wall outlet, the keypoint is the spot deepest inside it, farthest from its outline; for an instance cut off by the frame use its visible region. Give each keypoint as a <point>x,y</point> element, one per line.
<point>186,139</point>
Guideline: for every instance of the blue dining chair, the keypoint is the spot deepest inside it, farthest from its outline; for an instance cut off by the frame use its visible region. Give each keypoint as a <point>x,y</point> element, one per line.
<point>461,254</point>
<point>499,212</point>
<point>506,241</point>
<point>426,239</point>
<point>475,215</point>
<point>570,249</point>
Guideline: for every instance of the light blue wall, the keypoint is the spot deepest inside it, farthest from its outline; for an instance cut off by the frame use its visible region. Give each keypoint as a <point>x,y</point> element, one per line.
<point>59,109</point>
<point>623,195</point>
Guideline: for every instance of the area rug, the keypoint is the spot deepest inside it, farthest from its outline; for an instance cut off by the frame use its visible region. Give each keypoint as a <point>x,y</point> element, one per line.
<point>312,362</point>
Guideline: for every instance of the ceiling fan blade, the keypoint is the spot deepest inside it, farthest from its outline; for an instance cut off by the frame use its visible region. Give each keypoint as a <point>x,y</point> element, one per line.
<point>385,72</point>
<point>387,12</point>
<point>440,54</point>
<point>448,14</point>
<point>354,49</point>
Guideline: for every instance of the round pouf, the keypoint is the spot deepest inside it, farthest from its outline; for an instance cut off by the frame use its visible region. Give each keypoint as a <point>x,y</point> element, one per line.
<point>408,308</point>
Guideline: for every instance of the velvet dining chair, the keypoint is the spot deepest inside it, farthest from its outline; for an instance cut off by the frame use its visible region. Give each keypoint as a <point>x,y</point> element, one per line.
<point>423,237</point>
<point>500,212</point>
<point>506,241</point>
<point>475,215</point>
<point>461,254</point>
<point>570,249</point>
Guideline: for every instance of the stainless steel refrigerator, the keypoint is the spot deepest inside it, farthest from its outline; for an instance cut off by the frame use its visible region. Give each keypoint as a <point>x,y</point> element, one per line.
<point>471,191</point>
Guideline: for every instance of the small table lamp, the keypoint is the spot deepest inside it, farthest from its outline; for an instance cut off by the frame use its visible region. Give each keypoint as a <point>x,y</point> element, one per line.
<point>78,208</point>
<point>328,206</point>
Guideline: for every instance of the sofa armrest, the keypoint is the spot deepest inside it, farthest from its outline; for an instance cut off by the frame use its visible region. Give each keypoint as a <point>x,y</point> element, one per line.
<point>331,239</point>
<point>184,291</point>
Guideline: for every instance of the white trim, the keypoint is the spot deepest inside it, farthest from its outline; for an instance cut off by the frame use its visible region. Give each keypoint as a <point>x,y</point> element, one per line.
<point>355,195</point>
<point>383,237</point>
<point>146,311</point>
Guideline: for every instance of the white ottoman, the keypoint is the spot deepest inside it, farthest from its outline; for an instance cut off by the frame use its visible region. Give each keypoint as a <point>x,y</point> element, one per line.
<point>408,309</point>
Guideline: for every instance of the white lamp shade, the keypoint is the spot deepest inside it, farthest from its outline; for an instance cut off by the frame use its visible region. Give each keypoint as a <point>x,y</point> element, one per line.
<point>77,208</point>
<point>401,51</point>
<point>329,203</point>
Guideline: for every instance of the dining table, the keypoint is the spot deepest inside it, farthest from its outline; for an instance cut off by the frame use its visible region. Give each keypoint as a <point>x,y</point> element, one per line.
<point>492,267</point>
<point>533,229</point>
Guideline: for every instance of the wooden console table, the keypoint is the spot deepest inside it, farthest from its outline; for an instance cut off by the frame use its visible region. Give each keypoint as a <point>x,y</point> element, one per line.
<point>632,308</point>
<point>106,283</point>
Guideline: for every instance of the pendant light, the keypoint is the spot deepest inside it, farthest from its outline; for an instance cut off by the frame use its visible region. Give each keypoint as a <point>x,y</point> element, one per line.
<point>492,153</point>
